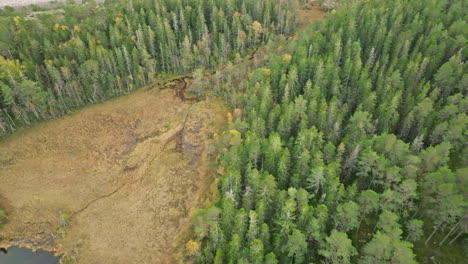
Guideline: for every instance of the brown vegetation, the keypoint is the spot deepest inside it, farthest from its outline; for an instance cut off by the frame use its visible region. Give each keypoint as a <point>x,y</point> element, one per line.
<point>128,171</point>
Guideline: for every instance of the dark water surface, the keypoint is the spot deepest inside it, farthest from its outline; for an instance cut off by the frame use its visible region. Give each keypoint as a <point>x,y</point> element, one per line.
<point>17,255</point>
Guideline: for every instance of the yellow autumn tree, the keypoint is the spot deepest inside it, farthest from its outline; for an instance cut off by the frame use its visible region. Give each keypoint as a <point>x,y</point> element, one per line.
<point>257,31</point>
<point>192,247</point>
<point>10,69</point>
<point>236,137</point>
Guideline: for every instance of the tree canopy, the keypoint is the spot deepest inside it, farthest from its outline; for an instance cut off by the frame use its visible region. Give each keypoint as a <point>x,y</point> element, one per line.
<point>354,140</point>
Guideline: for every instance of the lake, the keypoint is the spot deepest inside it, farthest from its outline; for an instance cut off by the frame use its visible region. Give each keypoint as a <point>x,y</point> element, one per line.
<point>17,255</point>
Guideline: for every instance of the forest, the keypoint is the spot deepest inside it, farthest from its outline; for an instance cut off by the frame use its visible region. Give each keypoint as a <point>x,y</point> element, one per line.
<point>351,149</point>
<point>54,62</point>
<point>350,145</point>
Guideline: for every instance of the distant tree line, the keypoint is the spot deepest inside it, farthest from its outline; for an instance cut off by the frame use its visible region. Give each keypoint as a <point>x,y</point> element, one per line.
<point>55,61</point>
<point>354,149</point>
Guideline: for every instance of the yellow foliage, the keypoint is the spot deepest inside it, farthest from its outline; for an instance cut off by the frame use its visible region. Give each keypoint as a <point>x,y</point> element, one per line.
<point>56,26</point>
<point>341,149</point>
<point>229,118</point>
<point>236,15</point>
<point>10,68</point>
<point>257,26</point>
<point>266,72</point>
<point>118,20</point>
<point>64,27</point>
<point>236,138</point>
<point>192,247</point>
<point>17,20</point>
<point>235,133</point>
<point>77,28</point>
<point>242,34</point>
<point>237,113</point>
<point>287,58</point>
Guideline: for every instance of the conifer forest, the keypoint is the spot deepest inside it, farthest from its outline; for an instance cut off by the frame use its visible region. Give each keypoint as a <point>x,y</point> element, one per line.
<point>344,140</point>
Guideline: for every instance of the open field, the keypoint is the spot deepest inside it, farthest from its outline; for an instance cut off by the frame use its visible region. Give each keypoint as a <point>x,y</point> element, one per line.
<point>128,172</point>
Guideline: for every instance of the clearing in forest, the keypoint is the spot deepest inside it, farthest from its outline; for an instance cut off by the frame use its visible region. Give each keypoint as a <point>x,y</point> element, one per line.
<point>128,172</point>
<point>115,182</point>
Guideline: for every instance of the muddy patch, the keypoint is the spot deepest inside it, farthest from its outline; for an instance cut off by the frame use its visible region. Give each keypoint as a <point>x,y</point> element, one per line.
<point>126,173</point>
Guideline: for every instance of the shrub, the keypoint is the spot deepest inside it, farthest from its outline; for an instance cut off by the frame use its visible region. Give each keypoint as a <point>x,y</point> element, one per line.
<point>3,217</point>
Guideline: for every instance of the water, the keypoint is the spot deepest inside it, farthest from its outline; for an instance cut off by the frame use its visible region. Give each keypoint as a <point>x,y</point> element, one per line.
<point>17,255</point>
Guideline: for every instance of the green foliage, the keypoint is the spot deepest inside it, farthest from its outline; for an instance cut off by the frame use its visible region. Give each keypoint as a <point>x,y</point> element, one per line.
<point>65,219</point>
<point>383,249</point>
<point>338,248</point>
<point>360,126</point>
<point>3,217</point>
<point>55,61</point>
<point>71,257</point>
<point>346,216</point>
<point>296,247</point>
<point>353,141</point>
<point>414,230</point>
